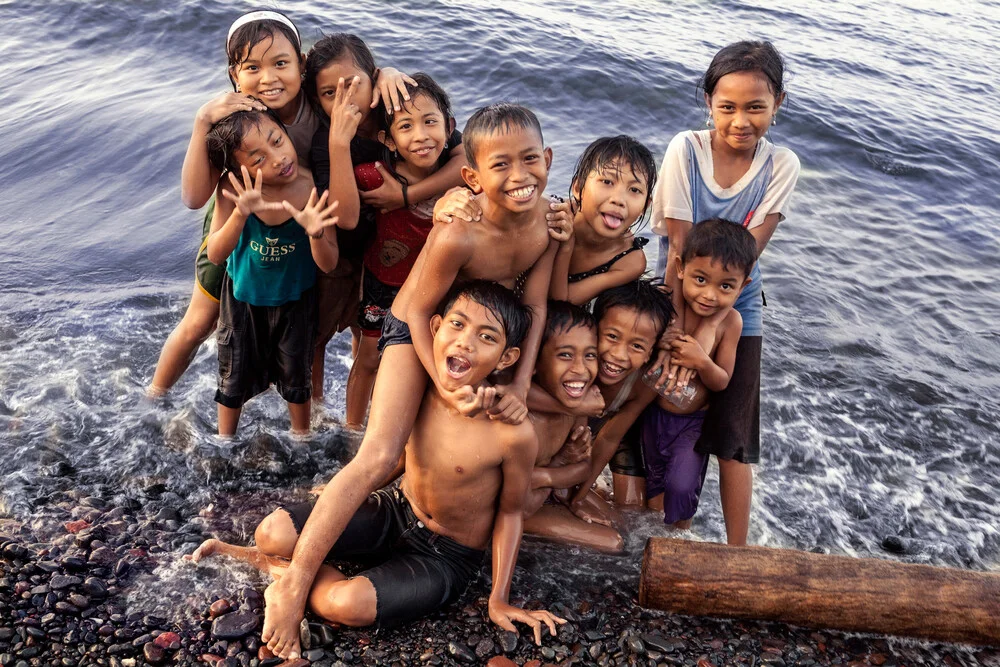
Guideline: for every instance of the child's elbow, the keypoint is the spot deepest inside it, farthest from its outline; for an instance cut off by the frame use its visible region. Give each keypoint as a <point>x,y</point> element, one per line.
<point>216,257</point>
<point>326,263</point>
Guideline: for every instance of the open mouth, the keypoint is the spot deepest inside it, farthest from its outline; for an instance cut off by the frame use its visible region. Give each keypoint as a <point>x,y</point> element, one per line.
<point>287,170</point>
<point>423,151</point>
<point>612,370</point>
<point>612,221</point>
<point>270,94</point>
<point>522,194</point>
<point>574,389</point>
<point>458,366</point>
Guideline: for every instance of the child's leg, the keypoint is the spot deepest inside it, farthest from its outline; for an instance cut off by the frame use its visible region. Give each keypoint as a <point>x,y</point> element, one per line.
<point>361,381</point>
<point>229,420</point>
<point>736,492</point>
<point>628,474</point>
<point>557,523</point>
<point>298,413</point>
<point>178,350</point>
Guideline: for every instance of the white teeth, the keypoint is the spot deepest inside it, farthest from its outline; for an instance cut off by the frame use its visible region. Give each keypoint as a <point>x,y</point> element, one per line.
<point>611,369</point>
<point>522,193</point>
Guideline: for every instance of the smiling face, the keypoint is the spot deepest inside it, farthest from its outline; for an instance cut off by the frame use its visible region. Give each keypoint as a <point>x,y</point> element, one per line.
<point>469,344</point>
<point>567,365</point>
<point>708,286</point>
<point>611,200</point>
<point>419,132</point>
<point>271,72</point>
<point>344,68</point>
<point>625,341</point>
<point>512,169</point>
<point>742,107</point>
<point>266,147</point>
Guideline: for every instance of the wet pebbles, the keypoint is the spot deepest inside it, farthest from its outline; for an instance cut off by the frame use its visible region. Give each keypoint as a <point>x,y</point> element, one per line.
<point>63,602</point>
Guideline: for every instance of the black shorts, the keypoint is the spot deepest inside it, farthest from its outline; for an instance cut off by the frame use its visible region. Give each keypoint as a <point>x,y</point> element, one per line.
<point>417,571</point>
<point>376,300</point>
<point>261,345</point>
<point>394,332</point>
<point>628,458</point>
<point>732,423</point>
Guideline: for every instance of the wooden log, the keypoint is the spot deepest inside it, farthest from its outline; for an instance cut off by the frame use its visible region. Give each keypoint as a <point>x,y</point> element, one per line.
<point>818,591</point>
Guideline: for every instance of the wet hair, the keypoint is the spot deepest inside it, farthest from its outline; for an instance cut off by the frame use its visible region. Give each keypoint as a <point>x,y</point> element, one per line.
<point>722,240</point>
<point>226,136</point>
<point>562,316</point>
<point>512,315</point>
<point>250,35</point>
<point>334,47</point>
<point>499,117</point>
<point>747,56</point>
<point>429,88</point>
<point>643,296</point>
<point>620,150</point>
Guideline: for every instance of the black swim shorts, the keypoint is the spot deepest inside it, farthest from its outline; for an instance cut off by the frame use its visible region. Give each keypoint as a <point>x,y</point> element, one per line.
<point>628,460</point>
<point>417,570</point>
<point>376,302</point>
<point>394,332</point>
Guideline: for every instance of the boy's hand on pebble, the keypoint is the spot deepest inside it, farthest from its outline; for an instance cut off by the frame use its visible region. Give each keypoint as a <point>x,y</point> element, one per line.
<point>247,197</point>
<point>219,107</point>
<point>504,614</point>
<point>386,197</point>
<point>457,204</point>
<point>344,114</point>
<point>390,85</point>
<point>560,220</point>
<point>314,218</point>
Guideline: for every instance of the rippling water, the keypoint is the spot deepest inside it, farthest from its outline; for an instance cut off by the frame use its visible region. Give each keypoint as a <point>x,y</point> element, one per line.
<point>882,352</point>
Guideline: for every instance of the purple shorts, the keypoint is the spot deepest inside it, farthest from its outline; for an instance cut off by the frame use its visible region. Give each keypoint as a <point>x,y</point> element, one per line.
<point>673,467</point>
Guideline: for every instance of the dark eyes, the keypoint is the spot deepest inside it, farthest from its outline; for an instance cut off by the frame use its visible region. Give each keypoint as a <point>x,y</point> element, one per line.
<point>488,338</point>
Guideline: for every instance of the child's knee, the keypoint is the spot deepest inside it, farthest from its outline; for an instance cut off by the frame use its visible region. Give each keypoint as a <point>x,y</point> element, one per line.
<point>276,535</point>
<point>351,602</point>
<point>196,328</point>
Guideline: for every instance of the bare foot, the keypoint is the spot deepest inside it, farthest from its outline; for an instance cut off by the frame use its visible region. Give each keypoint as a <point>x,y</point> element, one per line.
<point>284,609</point>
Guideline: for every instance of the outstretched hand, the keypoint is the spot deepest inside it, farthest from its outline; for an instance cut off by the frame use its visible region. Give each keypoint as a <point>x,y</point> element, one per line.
<point>313,217</point>
<point>504,615</point>
<point>248,197</point>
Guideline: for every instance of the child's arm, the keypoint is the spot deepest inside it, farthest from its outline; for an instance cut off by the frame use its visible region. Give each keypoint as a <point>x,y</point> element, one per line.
<point>316,220</point>
<point>610,436</point>
<point>714,374</point>
<point>198,177</point>
<point>389,195</point>
<point>507,529</point>
<point>625,270</point>
<point>344,120</point>
<point>231,213</point>
<point>559,285</point>
<point>570,464</point>
<point>540,400</point>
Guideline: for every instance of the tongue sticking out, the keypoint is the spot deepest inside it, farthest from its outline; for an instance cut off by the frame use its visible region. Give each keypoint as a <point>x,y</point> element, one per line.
<point>611,221</point>
<point>458,366</point>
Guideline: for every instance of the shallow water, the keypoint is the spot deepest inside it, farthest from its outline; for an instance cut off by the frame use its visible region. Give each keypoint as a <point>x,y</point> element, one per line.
<point>880,380</point>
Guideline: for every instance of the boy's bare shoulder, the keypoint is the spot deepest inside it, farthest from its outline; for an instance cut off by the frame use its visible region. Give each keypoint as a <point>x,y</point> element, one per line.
<point>733,321</point>
<point>454,237</point>
<point>517,440</point>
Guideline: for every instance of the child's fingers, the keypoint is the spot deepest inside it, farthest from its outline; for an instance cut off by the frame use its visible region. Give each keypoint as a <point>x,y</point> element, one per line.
<point>408,79</point>
<point>230,196</point>
<point>292,211</point>
<point>331,208</point>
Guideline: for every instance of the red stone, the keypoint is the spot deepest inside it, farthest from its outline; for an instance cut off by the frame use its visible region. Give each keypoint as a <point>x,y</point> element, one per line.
<point>210,659</point>
<point>533,663</point>
<point>137,553</point>
<point>501,661</point>
<point>264,653</point>
<point>876,659</point>
<point>168,640</point>
<point>704,662</point>
<point>77,526</point>
<point>219,607</point>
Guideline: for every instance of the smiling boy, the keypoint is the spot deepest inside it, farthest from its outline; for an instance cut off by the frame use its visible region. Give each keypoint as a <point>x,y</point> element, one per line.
<point>464,486</point>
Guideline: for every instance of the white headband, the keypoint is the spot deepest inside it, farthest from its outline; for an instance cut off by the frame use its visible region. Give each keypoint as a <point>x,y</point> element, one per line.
<point>261,16</point>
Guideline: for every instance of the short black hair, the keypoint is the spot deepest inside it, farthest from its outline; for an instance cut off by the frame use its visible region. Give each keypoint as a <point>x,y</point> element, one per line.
<point>253,33</point>
<point>620,151</point>
<point>513,316</point>
<point>334,47</point>
<point>562,316</point>
<point>643,296</point>
<point>722,240</point>
<point>226,136</point>
<point>502,116</point>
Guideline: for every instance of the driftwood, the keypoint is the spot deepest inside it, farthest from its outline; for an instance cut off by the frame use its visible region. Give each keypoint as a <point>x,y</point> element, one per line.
<point>818,591</point>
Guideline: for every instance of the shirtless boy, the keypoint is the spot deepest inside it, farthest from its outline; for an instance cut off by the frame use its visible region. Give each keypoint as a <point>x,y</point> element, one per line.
<point>465,484</point>
<point>508,170</point>
<point>566,370</point>
<point>714,268</point>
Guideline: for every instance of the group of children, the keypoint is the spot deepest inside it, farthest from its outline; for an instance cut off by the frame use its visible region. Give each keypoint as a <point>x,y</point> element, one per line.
<point>506,345</point>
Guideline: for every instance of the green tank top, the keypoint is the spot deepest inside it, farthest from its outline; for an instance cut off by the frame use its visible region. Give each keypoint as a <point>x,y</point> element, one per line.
<point>271,266</point>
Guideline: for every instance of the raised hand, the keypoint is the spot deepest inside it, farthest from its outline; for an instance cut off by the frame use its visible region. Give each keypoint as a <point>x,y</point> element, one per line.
<point>457,204</point>
<point>504,615</point>
<point>560,220</point>
<point>390,85</point>
<point>344,114</point>
<point>314,218</point>
<point>247,197</point>
<point>217,108</point>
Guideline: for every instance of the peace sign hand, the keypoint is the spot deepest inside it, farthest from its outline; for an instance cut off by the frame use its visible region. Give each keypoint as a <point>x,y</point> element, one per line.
<point>313,217</point>
<point>247,197</point>
<point>344,114</point>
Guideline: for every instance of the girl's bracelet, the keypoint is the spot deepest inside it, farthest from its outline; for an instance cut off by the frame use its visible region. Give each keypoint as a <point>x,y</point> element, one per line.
<point>406,200</point>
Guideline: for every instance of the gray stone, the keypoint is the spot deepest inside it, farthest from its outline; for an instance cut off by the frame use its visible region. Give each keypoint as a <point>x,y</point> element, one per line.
<point>234,625</point>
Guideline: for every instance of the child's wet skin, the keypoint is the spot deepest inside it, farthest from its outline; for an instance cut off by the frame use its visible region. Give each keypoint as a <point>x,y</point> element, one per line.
<point>625,341</point>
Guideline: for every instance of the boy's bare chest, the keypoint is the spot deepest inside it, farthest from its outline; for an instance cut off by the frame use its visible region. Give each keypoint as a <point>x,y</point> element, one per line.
<point>456,455</point>
<point>552,431</point>
<point>504,257</point>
